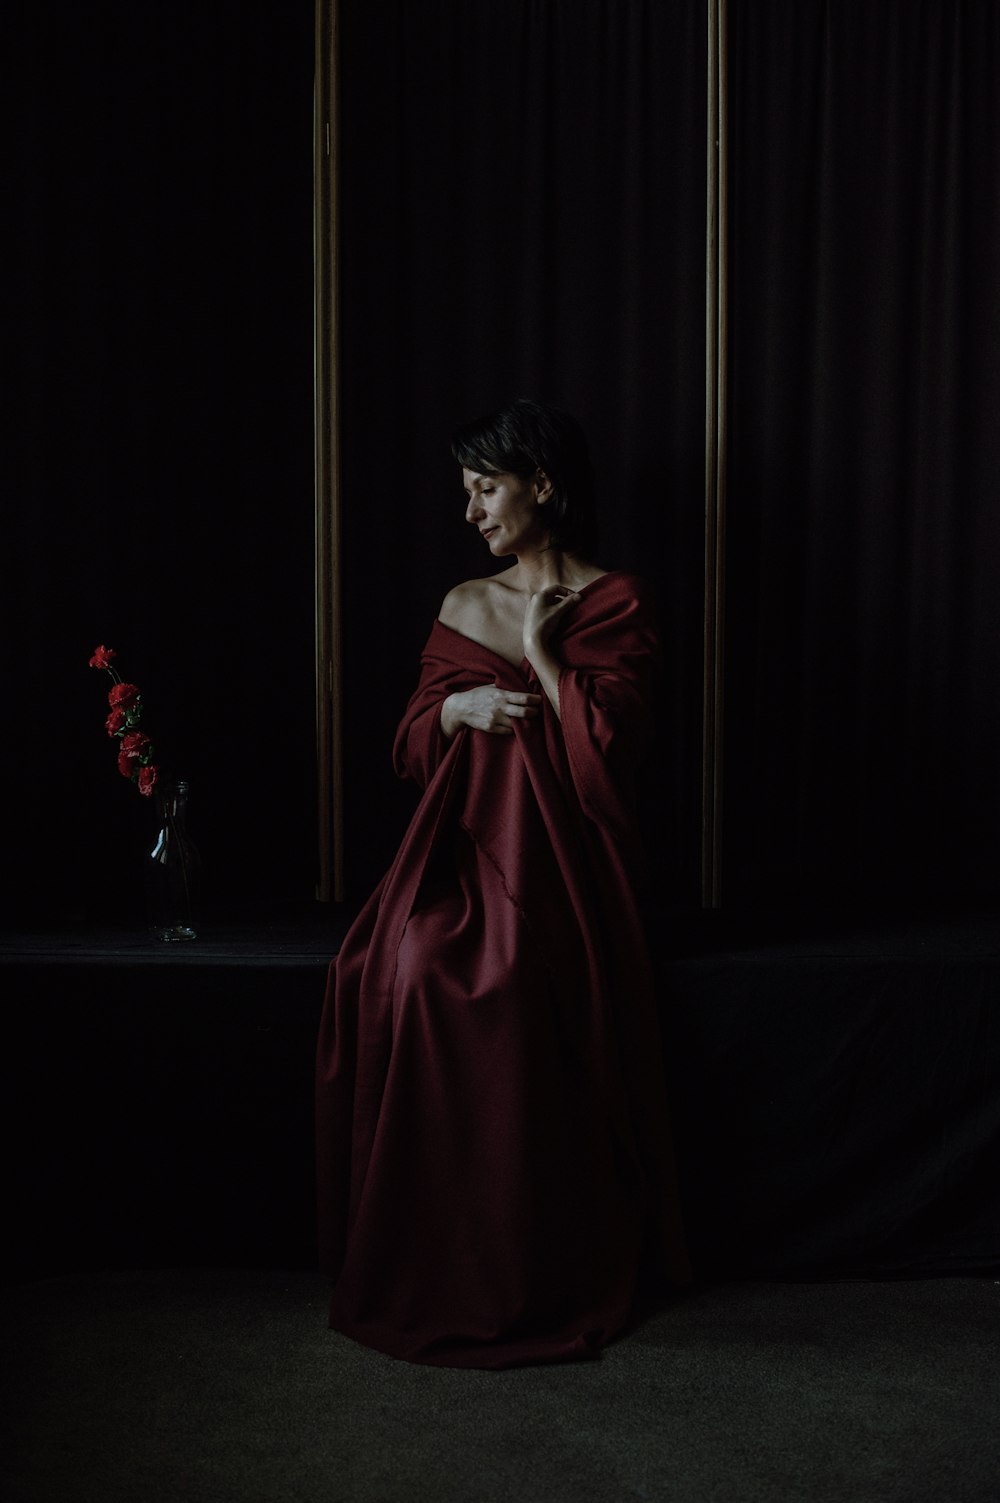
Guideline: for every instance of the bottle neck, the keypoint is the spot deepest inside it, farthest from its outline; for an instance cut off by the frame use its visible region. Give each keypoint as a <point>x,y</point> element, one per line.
<point>172,798</point>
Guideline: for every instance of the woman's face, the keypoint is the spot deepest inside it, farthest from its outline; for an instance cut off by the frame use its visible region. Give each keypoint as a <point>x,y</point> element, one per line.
<point>508,510</point>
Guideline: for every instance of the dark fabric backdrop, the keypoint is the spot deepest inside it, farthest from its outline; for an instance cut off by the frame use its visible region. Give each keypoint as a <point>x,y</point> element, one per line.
<point>863,663</point>
<point>158,359</point>
<point>522,213</point>
<point>523,210</point>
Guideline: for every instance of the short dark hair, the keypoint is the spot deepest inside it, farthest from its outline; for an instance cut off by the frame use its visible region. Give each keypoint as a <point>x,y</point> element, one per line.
<point>528,436</point>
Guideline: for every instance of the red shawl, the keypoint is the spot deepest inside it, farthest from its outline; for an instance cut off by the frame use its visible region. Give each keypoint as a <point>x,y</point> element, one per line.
<point>494,1156</point>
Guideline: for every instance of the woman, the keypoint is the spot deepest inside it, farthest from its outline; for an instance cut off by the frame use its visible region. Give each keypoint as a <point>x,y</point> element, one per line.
<point>494,1160</point>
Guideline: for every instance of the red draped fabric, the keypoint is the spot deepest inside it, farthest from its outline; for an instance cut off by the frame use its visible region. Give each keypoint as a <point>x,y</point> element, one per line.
<point>495,1167</point>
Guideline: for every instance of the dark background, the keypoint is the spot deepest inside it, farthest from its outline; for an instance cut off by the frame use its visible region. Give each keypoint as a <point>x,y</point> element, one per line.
<point>159,492</point>
<point>864,620</point>
<point>522,211</point>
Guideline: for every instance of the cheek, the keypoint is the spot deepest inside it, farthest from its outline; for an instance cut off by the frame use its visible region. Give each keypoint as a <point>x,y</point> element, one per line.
<point>519,510</point>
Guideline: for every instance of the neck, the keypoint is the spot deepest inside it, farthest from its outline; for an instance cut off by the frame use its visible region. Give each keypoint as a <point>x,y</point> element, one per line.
<point>545,567</point>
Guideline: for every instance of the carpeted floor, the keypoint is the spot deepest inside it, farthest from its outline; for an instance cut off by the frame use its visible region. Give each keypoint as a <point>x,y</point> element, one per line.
<point>217,1386</point>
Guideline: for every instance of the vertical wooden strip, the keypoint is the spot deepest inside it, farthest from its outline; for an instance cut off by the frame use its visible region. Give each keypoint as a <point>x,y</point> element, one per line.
<point>715,458</point>
<point>329,695</point>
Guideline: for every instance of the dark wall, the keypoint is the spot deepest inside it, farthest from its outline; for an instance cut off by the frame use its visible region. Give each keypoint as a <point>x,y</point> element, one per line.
<point>864,620</point>
<point>159,494</point>
<point>523,211</point>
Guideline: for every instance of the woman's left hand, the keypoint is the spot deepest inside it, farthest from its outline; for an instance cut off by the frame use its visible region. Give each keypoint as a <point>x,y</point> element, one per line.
<point>543,614</point>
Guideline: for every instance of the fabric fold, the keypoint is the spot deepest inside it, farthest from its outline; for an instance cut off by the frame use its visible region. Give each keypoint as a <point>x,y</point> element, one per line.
<point>494,1157</point>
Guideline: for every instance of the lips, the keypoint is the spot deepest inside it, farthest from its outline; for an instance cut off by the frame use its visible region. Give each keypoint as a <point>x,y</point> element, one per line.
<point>487,532</point>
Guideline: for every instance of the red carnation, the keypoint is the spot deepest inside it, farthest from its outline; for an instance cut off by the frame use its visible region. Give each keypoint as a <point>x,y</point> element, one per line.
<point>133,750</point>
<point>135,753</point>
<point>147,779</point>
<point>123,696</point>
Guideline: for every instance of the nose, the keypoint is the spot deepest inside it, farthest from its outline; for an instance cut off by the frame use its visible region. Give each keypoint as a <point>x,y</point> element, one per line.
<point>475,510</point>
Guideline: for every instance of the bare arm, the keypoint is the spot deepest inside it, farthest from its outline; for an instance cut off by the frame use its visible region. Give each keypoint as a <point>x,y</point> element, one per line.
<point>541,617</point>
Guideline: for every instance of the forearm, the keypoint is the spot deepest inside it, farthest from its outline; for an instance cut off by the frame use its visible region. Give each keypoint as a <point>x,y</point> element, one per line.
<point>450,720</point>
<point>548,670</point>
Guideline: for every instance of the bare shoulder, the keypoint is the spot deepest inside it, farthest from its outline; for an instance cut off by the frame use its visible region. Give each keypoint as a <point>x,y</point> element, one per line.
<point>467,603</point>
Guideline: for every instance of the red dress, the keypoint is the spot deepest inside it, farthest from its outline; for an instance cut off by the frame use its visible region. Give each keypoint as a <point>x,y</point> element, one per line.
<point>494,1160</point>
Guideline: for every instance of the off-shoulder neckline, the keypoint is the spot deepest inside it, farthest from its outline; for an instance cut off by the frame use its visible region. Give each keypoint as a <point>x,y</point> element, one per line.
<point>608,574</point>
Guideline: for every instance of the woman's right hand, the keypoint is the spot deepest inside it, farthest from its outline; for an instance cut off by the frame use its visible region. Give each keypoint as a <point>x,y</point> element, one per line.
<point>488,708</point>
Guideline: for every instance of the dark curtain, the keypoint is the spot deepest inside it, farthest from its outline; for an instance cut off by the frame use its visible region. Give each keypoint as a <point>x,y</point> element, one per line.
<point>863,659</point>
<point>522,213</point>
<point>159,494</point>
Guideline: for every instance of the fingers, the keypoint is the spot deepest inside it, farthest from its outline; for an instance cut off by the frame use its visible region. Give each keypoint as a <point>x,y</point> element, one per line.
<point>559,595</point>
<point>512,707</point>
<point>521,706</point>
<point>494,709</point>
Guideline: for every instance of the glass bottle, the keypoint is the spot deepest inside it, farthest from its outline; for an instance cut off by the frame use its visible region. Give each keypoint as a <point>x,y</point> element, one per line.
<point>173,868</point>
